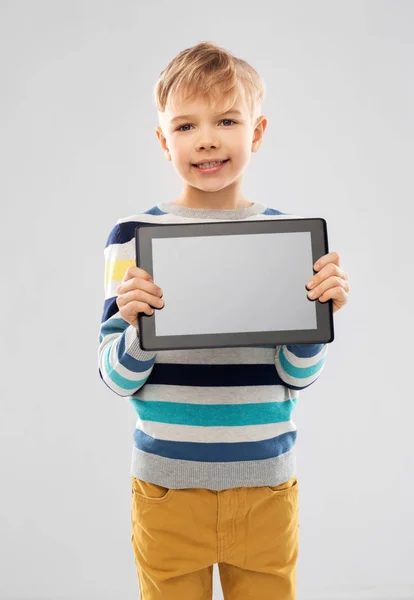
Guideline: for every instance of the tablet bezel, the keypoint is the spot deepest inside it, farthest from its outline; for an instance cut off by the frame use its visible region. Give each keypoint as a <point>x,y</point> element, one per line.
<point>324,333</point>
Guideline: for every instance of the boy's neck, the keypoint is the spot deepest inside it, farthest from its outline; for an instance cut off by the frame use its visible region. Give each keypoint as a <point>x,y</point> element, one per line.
<point>214,206</point>
<point>221,200</point>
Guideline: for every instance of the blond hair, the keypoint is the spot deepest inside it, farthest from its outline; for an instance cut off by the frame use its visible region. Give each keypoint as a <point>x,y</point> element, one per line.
<point>210,71</point>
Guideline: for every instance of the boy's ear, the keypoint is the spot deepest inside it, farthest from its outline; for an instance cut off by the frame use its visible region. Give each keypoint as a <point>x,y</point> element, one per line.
<point>162,139</point>
<point>258,133</point>
<point>160,134</point>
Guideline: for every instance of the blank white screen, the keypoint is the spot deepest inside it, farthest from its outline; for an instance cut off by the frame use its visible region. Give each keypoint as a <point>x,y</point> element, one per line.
<point>233,283</point>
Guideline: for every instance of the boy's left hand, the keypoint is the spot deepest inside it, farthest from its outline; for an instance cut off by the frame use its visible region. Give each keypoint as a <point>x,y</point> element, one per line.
<point>330,281</point>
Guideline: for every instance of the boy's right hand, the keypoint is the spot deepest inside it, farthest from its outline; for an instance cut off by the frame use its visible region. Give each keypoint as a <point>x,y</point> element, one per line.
<point>137,294</point>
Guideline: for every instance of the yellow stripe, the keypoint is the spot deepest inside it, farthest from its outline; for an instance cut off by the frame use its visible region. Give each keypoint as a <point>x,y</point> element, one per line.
<point>115,269</point>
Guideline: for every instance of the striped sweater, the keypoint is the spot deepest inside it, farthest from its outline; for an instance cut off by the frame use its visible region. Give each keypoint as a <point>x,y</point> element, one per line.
<point>213,418</point>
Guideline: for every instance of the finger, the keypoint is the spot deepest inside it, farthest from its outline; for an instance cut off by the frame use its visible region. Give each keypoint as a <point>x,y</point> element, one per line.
<point>326,272</point>
<point>141,296</point>
<point>140,283</point>
<point>134,271</point>
<point>331,257</point>
<point>338,293</point>
<point>326,285</point>
<point>132,309</point>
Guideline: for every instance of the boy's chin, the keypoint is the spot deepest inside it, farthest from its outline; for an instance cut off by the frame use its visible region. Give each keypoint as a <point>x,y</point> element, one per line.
<point>209,189</point>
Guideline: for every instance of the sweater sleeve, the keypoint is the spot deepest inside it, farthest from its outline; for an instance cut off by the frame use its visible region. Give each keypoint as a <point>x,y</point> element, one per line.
<point>300,365</point>
<point>123,366</point>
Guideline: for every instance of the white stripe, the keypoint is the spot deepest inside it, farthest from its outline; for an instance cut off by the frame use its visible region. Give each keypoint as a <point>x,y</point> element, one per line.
<point>193,394</point>
<point>125,251</point>
<point>218,356</point>
<point>187,433</point>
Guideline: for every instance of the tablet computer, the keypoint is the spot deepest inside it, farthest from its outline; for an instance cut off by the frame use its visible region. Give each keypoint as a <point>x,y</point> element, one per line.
<point>233,283</point>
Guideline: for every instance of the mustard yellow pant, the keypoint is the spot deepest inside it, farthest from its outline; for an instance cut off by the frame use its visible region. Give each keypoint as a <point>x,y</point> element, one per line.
<point>251,533</point>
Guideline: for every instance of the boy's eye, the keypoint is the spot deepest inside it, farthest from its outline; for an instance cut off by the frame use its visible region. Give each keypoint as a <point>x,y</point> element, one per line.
<point>180,128</point>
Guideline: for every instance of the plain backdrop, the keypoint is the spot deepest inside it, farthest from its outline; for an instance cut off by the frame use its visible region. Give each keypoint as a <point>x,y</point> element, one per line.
<point>79,151</point>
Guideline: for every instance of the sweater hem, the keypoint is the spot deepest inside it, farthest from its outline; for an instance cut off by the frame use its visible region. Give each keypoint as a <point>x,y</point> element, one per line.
<point>184,474</point>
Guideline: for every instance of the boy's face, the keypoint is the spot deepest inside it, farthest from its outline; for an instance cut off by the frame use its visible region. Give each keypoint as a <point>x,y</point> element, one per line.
<point>194,131</point>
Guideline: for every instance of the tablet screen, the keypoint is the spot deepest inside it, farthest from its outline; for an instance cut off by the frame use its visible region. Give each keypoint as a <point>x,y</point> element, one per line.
<point>233,283</point>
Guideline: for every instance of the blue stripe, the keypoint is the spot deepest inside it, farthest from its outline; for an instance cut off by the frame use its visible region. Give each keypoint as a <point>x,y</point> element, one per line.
<point>214,415</point>
<point>305,350</point>
<point>131,363</point>
<point>299,372</point>
<point>125,232</point>
<point>117,325</point>
<point>120,381</point>
<point>272,211</point>
<point>216,452</point>
<point>215,375</point>
<point>110,309</point>
<point>155,211</point>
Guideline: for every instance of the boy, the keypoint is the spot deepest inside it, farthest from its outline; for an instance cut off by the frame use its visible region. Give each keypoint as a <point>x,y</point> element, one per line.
<point>213,461</point>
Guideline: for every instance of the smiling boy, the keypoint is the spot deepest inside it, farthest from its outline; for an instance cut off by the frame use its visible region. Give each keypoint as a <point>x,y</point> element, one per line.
<point>193,132</point>
<point>213,461</point>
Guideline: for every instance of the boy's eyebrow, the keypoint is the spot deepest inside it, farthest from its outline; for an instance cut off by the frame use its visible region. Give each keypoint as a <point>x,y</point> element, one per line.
<point>227,112</point>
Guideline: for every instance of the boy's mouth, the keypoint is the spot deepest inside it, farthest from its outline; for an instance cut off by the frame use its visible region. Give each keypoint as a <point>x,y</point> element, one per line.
<point>210,166</point>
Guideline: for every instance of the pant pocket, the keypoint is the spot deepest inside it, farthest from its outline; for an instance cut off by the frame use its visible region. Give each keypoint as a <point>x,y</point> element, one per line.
<point>287,488</point>
<point>150,493</point>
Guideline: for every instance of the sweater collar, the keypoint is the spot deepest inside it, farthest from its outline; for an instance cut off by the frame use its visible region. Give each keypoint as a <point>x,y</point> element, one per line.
<point>206,213</point>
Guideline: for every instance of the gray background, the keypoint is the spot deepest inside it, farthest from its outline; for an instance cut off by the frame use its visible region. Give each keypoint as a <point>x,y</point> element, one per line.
<point>79,151</point>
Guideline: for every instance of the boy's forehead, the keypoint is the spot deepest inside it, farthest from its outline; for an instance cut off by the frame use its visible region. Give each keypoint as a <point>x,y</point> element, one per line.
<point>177,106</point>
